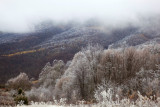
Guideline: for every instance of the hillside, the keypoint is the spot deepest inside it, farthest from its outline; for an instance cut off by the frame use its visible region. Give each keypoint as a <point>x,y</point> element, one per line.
<point>21,55</point>
<point>29,52</point>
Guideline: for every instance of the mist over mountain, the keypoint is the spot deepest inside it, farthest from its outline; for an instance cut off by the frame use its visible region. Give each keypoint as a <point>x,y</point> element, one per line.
<point>29,52</point>
<point>22,15</point>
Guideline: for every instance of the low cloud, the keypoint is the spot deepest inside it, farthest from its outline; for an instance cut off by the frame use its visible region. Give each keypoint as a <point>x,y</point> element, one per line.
<point>21,15</point>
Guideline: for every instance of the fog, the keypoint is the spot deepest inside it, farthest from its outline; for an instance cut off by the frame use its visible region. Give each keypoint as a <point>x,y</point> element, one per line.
<point>22,15</point>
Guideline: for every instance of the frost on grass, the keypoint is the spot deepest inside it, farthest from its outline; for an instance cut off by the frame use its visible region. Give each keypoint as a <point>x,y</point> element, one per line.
<point>105,99</point>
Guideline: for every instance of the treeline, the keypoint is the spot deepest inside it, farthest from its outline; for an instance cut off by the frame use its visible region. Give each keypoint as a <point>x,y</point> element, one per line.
<point>93,70</point>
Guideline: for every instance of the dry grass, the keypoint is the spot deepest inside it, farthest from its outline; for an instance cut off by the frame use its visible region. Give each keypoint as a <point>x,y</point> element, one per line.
<point>23,52</point>
<point>6,98</point>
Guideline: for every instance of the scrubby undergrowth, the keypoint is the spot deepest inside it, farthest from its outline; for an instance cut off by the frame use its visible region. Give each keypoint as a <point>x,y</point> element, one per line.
<point>105,101</point>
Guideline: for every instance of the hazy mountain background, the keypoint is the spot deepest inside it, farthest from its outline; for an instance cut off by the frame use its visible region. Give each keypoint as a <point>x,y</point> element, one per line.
<point>33,33</point>
<point>29,52</point>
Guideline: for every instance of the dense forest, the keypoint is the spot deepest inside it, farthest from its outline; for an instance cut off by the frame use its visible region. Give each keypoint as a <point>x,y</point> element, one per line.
<point>123,73</point>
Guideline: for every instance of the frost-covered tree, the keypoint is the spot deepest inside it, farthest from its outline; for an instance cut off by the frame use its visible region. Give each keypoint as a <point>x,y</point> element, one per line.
<point>82,74</point>
<point>147,82</point>
<point>21,81</point>
<point>120,64</point>
<point>47,80</point>
<point>50,73</point>
<point>119,69</point>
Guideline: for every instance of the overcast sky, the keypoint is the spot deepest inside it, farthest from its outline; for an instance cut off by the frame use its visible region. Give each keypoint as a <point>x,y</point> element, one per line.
<point>21,15</point>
